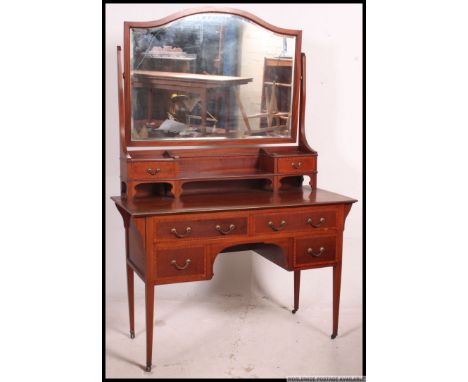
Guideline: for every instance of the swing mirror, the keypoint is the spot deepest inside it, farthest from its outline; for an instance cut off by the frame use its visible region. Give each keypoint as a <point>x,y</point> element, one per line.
<point>211,76</point>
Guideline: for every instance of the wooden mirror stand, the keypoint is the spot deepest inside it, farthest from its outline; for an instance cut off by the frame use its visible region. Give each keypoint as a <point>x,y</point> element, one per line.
<point>251,163</point>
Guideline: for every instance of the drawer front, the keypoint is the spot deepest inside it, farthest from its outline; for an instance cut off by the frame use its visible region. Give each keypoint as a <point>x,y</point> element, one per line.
<point>152,170</point>
<point>316,249</point>
<point>180,262</point>
<point>299,221</point>
<point>193,229</point>
<point>296,165</point>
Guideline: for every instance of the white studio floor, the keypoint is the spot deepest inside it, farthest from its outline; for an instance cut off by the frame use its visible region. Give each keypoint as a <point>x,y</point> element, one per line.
<point>232,336</point>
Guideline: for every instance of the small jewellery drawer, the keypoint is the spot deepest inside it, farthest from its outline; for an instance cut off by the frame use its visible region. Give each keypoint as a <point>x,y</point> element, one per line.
<point>193,229</point>
<point>152,170</point>
<point>180,262</point>
<point>296,165</point>
<point>316,249</point>
<point>300,221</point>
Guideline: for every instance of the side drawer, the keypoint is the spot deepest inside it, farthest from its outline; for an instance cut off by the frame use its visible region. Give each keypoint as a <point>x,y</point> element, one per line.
<point>311,220</point>
<point>152,170</point>
<point>193,229</point>
<point>318,249</point>
<point>296,165</point>
<point>182,263</point>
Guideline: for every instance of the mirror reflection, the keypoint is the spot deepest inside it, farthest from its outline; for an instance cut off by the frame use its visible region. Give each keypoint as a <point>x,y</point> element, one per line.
<point>211,76</point>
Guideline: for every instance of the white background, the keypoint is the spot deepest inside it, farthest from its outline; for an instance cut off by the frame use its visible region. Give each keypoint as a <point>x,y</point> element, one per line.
<point>416,184</point>
<point>332,41</point>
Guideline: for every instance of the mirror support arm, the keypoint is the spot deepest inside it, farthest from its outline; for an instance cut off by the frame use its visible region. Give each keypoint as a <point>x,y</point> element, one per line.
<point>302,96</point>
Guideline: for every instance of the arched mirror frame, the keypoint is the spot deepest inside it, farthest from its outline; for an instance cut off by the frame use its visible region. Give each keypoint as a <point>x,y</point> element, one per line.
<point>211,142</point>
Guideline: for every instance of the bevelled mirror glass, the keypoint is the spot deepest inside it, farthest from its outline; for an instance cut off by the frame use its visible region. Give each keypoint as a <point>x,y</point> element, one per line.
<point>211,76</point>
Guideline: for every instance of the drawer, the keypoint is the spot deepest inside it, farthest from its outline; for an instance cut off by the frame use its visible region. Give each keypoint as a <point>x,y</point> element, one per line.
<point>296,165</point>
<point>316,249</point>
<point>296,221</point>
<point>152,170</point>
<point>180,262</point>
<point>193,229</point>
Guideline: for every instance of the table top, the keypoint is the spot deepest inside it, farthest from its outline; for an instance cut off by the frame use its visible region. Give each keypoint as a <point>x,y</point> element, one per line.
<point>247,200</point>
<point>193,78</point>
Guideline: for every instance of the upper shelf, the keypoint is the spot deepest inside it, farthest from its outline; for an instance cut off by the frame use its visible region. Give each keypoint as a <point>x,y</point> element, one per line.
<point>228,152</point>
<point>210,76</point>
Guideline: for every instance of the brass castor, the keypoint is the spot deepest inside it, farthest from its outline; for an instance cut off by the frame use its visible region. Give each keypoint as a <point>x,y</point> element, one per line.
<point>148,368</point>
<point>333,336</point>
<point>132,334</point>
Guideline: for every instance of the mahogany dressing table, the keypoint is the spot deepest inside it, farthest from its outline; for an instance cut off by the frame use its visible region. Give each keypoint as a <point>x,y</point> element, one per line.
<point>239,184</point>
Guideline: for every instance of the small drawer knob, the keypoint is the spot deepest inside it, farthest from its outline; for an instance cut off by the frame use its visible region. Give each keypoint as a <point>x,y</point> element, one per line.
<point>296,165</point>
<point>153,171</point>
<point>310,251</point>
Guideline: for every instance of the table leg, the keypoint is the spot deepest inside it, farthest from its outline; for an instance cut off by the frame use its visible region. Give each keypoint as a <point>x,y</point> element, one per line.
<point>241,108</point>
<point>336,297</point>
<point>149,302</point>
<point>217,103</point>
<point>297,286</point>
<point>131,304</point>
<point>149,112</point>
<point>227,108</point>
<point>130,272</point>
<point>204,107</point>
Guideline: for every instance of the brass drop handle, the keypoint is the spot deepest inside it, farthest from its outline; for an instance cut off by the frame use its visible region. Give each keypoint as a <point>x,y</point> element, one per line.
<point>321,221</point>
<point>296,165</point>
<point>178,267</point>
<point>281,226</point>
<point>188,231</point>
<point>232,227</point>
<point>153,171</point>
<point>310,251</point>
